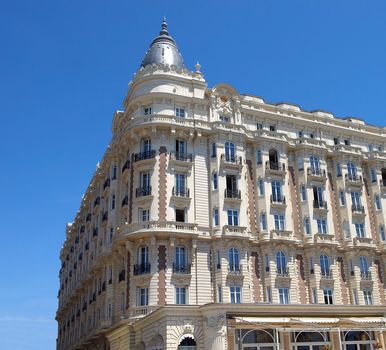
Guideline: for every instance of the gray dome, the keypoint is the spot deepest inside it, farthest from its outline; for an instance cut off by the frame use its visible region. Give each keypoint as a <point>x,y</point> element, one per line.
<point>163,49</point>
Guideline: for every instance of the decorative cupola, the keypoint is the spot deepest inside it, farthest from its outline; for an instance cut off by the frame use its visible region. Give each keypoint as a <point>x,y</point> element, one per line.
<point>163,49</point>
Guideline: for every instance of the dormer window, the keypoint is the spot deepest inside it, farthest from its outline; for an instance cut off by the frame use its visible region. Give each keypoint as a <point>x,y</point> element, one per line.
<point>180,112</point>
<point>147,110</point>
<point>224,119</point>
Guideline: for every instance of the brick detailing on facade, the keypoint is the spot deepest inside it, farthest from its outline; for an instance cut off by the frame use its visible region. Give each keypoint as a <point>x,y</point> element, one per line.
<point>161,275</point>
<point>255,277</point>
<point>131,190</point>
<point>302,279</point>
<point>295,202</point>
<point>128,280</point>
<point>370,210</point>
<point>251,197</point>
<point>162,200</point>
<point>342,280</point>
<point>335,215</point>
<point>380,281</point>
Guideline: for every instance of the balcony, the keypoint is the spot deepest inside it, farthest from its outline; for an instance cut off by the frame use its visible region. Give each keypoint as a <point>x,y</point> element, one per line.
<point>231,161</point>
<point>125,201</point>
<point>320,205</point>
<point>140,311</point>
<point>235,269</point>
<point>275,168</point>
<point>283,273</point>
<point>126,166</point>
<point>230,230</point>
<point>142,269</point>
<point>281,235</point>
<point>106,184</point>
<point>143,191</point>
<point>147,155</point>
<point>180,192</point>
<point>184,159</point>
<point>353,180</point>
<point>232,195</point>
<point>364,242</point>
<point>122,276</point>
<point>279,201</point>
<point>183,269</point>
<point>316,174</point>
<point>358,209</point>
<point>326,274</point>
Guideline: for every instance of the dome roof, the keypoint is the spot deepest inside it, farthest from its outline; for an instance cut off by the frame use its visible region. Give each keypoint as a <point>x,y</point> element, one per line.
<point>163,49</point>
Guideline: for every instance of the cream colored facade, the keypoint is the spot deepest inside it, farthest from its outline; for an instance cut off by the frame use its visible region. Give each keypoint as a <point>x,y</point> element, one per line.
<point>220,220</point>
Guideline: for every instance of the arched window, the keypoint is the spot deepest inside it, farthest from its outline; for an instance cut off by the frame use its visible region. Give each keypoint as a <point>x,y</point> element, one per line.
<point>281,262</point>
<point>187,343</point>
<point>257,338</point>
<point>230,152</point>
<point>315,165</point>
<point>351,171</point>
<point>363,265</point>
<point>324,265</point>
<point>234,259</point>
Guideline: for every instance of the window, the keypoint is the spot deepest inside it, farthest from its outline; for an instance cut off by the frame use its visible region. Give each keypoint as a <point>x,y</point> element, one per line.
<point>180,295</point>
<point>315,165</point>
<point>327,293</point>
<point>347,142</point>
<point>322,226</point>
<point>114,173</point>
<point>314,296</point>
<point>377,201</point>
<point>355,296</point>
<point>324,265</point>
<point>147,110</point>
<point>267,263</point>
<point>234,260</point>
<point>312,135</point>
<point>300,163</point>
<point>180,258</point>
<point>213,150</point>
<point>259,126</point>
<point>351,171</point>
<point>269,294</point>
<point>181,189</point>
<point>281,263</point>
<point>261,187</point>
<point>219,293</point>
<point>373,175</point>
<point>230,152</point>
<point>111,235</point>
<point>279,222</point>
<point>382,233</point>
<point>215,217</point>
<point>368,297</point>
<point>180,215</point>
<point>342,198</point>
<point>180,112</point>
<point>143,255</point>
<point>224,119</point>
<point>300,134</point>
<point>272,128</point>
<point>263,218</point>
<point>318,197</point>
<point>113,202</point>
<point>258,157</point>
<point>235,292</point>
<point>283,296</point>
<point>122,301</point>
<point>338,170</point>
<point>144,214</point>
<point>356,200</point>
<point>233,217</point>
<point>276,191</point>
<point>363,265</point>
<point>145,183</point>
<point>346,229</point>
<point>307,227</point>
<point>336,141</point>
<point>215,181</point>
<point>303,193</point>
<point>312,265</point>
<point>142,296</point>
<point>181,149</point>
<point>360,229</point>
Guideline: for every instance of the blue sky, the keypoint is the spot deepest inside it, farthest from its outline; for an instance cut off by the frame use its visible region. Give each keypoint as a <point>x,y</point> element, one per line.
<point>64,69</point>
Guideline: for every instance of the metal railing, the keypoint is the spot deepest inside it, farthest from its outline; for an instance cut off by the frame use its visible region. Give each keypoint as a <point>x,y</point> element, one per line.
<point>144,155</point>
<point>275,166</point>
<point>232,159</point>
<point>316,172</point>
<point>236,269</point>
<point>282,272</point>
<point>358,208</point>
<point>278,199</point>
<point>234,194</point>
<point>181,192</point>
<point>142,269</point>
<point>320,204</point>
<point>326,274</point>
<point>181,268</point>
<point>181,156</point>
<point>143,191</point>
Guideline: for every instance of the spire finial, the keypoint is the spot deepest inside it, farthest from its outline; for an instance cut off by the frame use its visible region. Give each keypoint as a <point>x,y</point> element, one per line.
<point>164,26</point>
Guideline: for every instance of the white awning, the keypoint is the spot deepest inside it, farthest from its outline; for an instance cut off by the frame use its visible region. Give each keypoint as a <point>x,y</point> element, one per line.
<point>262,319</point>
<point>316,320</point>
<point>361,320</point>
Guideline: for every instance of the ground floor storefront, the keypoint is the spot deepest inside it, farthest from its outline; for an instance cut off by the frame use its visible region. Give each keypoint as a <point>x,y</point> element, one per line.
<point>254,327</point>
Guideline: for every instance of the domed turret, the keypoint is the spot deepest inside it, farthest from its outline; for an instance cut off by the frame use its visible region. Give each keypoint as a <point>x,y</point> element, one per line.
<point>163,49</point>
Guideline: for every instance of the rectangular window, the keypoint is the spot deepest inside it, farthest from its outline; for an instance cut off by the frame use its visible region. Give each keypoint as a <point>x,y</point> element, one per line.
<point>336,141</point>
<point>283,296</point>
<point>261,187</point>
<point>114,173</point>
<point>342,198</point>
<point>235,292</point>
<point>259,126</point>
<point>373,175</point>
<point>327,293</point>
<point>144,214</point>
<point>266,263</point>
<point>382,233</point>
<point>215,217</point>
<point>219,294</point>
<point>113,202</point>
<point>263,222</point>
<point>180,215</point>
<point>258,157</point>
<point>276,191</point>
<point>142,296</point>
<point>322,226</point>
<point>145,180</point>
<point>147,110</point>
<point>307,227</point>
<point>279,222</point>
<point>377,202</point>
<point>314,296</point>
<point>338,170</point>
<point>303,193</point>
<point>269,294</point>
<point>300,134</point>
<point>272,128</point>
<point>215,181</point>
<point>355,297</point>
<point>213,150</point>
<point>180,295</point>
<point>360,229</point>
<point>312,266</point>
<point>368,297</point>
<point>233,217</point>
<point>224,119</point>
<point>180,112</point>
<point>122,301</point>
<point>347,142</point>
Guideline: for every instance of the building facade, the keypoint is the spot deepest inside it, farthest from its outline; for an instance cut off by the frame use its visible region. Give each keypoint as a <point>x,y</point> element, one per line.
<point>216,220</point>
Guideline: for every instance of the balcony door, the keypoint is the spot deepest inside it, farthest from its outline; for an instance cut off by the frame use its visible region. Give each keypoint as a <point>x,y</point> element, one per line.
<point>230,152</point>
<point>180,148</point>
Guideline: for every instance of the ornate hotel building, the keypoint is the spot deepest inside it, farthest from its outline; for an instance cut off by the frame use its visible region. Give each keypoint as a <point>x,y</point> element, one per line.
<point>216,220</point>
